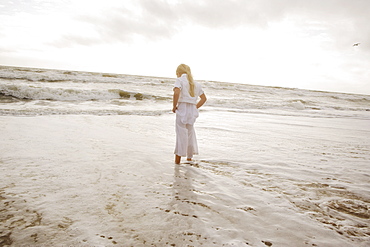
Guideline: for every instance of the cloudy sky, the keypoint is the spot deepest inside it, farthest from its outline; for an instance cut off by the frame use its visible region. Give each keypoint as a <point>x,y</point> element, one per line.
<point>290,43</point>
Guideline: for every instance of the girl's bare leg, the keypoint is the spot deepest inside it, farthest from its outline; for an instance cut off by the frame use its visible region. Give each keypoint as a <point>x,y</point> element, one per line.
<point>177,159</point>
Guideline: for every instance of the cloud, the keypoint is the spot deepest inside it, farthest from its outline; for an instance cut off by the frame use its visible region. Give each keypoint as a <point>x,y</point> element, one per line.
<point>346,22</point>
<point>343,21</point>
<point>161,19</point>
<point>156,19</point>
<point>151,20</point>
<point>226,14</point>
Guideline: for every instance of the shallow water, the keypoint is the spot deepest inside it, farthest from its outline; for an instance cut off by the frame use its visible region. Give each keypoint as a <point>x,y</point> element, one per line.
<point>100,172</point>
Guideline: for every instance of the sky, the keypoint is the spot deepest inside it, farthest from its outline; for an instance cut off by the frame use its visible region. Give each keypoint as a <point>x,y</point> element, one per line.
<point>286,43</point>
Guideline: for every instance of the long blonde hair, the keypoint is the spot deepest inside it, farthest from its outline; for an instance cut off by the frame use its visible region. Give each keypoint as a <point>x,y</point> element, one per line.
<point>184,69</point>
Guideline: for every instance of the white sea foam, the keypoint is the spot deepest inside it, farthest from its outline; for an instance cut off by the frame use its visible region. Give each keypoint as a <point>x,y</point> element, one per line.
<point>298,105</point>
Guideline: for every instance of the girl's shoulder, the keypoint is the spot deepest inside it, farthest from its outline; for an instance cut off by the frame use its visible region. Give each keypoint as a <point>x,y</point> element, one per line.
<point>184,78</point>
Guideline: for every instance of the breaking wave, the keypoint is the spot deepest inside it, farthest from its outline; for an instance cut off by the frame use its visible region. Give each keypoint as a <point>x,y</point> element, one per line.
<point>34,92</point>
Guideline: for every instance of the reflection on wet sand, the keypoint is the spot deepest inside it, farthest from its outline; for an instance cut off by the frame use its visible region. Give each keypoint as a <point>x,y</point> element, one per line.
<point>182,211</point>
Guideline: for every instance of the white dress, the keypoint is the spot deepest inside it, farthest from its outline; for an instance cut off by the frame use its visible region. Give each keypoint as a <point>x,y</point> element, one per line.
<point>186,114</point>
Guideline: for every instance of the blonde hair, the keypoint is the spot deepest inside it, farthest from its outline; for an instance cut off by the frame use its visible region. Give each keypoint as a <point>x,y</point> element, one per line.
<point>184,69</point>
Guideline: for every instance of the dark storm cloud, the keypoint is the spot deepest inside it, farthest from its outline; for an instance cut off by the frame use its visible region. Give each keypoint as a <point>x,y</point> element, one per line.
<point>345,21</point>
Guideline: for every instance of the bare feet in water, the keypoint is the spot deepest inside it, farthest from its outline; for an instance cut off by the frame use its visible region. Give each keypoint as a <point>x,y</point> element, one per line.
<point>178,159</point>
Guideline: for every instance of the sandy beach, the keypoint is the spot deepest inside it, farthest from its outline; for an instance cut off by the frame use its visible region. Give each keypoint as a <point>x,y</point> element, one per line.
<point>111,181</point>
<point>86,159</point>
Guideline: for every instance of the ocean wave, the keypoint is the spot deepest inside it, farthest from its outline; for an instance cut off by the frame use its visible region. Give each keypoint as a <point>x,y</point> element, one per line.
<point>34,92</point>
<point>282,104</point>
<point>104,112</point>
<point>11,78</point>
<point>59,90</point>
<point>8,74</point>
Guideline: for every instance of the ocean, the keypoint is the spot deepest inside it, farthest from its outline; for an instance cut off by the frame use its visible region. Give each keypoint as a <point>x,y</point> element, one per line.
<point>86,159</point>
<point>34,92</point>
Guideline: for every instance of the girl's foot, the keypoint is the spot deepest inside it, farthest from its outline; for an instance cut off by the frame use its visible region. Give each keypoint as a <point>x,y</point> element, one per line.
<point>177,159</point>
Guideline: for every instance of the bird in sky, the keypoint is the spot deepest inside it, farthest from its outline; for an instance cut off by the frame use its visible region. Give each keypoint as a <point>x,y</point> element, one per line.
<point>356,44</point>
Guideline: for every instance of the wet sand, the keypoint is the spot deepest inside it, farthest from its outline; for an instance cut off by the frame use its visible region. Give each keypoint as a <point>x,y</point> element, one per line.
<point>110,181</point>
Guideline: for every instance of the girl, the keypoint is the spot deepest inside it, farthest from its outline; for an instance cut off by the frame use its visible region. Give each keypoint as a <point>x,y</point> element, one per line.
<point>185,105</point>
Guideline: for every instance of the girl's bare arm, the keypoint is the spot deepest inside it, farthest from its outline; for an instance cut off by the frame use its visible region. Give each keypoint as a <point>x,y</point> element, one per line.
<point>202,100</point>
<point>176,95</point>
